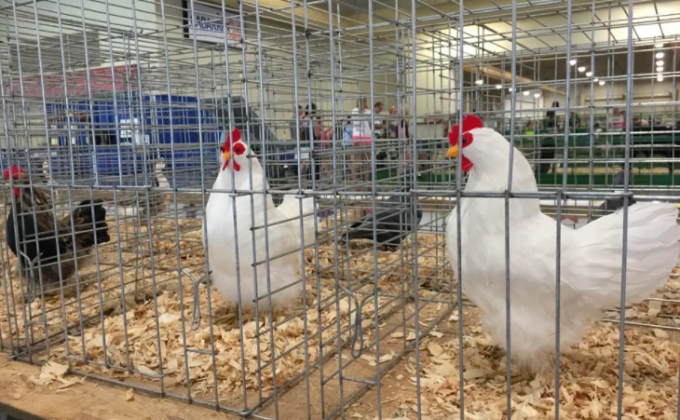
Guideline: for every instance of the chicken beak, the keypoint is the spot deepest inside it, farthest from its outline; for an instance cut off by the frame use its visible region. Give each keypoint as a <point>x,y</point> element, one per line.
<point>452,152</point>
<point>227,156</point>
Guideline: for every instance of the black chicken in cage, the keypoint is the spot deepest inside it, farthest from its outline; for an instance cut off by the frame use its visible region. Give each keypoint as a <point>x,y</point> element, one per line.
<point>394,220</point>
<point>52,246</point>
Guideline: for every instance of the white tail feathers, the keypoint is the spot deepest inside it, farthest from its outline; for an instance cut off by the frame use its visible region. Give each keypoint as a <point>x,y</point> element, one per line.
<point>290,208</point>
<point>653,245</point>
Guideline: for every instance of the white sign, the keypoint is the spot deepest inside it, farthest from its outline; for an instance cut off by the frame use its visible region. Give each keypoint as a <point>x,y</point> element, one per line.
<point>130,128</point>
<point>126,128</point>
<point>206,24</point>
<point>304,153</point>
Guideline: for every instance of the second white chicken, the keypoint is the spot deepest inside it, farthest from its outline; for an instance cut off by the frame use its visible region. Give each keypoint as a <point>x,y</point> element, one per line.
<point>590,257</point>
<point>290,208</point>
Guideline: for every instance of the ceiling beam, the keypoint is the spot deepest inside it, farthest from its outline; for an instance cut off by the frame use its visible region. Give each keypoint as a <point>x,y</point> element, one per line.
<point>506,76</point>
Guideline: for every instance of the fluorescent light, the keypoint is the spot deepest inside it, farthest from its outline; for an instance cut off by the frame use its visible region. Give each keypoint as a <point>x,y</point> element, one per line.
<point>588,74</point>
<point>659,45</point>
<point>659,63</point>
<point>499,86</point>
<point>602,82</point>
<point>659,78</point>
<point>572,62</point>
<point>537,95</point>
<point>660,68</point>
<point>525,93</point>
<point>581,69</point>
<point>659,55</point>
<point>479,82</point>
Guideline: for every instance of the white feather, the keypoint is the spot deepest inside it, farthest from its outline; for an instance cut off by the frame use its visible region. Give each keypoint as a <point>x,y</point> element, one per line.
<point>282,240</point>
<point>290,208</point>
<point>591,257</point>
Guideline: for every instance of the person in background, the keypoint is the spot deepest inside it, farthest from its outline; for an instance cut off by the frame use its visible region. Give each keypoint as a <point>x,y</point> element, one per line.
<point>378,123</point>
<point>398,127</point>
<point>294,133</point>
<point>347,132</point>
<point>547,146</point>
<point>308,119</point>
<point>550,121</point>
<point>361,124</point>
<point>404,134</point>
<point>295,130</point>
<point>393,124</point>
<point>529,131</point>
<point>361,136</point>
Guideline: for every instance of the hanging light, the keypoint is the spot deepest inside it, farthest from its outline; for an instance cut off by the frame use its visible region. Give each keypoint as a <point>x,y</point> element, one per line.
<point>525,93</point>
<point>660,68</point>
<point>537,95</point>
<point>659,45</point>
<point>588,74</point>
<point>572,62</point>
<point>602,82</point>
<point>479,82</point>
<point>659,63</point>
<point>659,55</point>
<point>596,80</point>
<point>659,78</point>
<point>581,69</point>
<point>499,86</point>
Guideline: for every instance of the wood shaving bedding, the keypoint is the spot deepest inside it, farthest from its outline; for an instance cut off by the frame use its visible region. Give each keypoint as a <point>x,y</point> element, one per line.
<point>588,381</point>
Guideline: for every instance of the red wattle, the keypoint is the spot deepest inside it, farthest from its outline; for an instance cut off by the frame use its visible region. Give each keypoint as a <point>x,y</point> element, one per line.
<point>237,167</point>
<point>466,164</point>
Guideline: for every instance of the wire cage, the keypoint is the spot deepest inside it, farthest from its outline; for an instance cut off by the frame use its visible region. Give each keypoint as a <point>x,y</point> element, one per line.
<point>350,105</point>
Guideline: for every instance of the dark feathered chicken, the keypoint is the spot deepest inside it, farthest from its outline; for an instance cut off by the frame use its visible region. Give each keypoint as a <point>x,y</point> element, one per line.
<point>36,237</point>
<point>615,204</point>
<point>394,221</point>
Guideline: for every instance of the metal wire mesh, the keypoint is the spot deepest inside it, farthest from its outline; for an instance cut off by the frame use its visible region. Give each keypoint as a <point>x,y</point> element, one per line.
<point>349,103</point>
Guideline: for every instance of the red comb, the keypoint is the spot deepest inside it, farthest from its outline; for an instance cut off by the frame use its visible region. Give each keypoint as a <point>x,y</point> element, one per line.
<point>15,172</point>
<point>231,139</point>
<point>470,122</point>
<point>235,136</point>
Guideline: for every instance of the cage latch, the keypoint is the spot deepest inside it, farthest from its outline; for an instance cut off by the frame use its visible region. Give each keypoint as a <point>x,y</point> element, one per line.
<point>358,331</point>
<point>30,281</point>
<point>196,310</point>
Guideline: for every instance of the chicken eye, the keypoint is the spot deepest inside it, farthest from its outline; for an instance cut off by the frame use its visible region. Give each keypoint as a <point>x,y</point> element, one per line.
<point>239,149</point>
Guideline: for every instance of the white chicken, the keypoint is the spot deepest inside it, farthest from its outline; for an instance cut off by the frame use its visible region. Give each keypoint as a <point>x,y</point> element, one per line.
<point>590,258</point>
<point>290,208</point>
<point>283,238</point>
